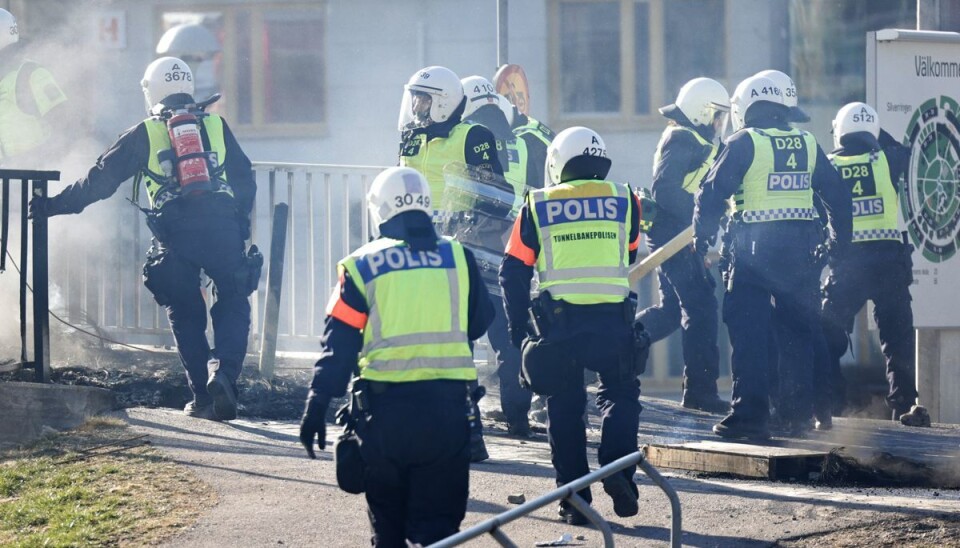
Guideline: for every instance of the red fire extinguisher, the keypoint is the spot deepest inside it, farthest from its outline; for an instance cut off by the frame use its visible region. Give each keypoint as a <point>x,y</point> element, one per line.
<point>191,160</point>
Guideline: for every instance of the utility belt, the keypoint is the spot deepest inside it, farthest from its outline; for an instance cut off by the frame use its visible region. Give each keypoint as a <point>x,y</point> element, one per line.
<point>548,365</point>
<point>353,416</point>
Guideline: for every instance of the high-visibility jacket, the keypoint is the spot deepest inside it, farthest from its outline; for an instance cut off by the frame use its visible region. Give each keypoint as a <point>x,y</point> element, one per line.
<point>416,326</point>
<point>434,154</point>
<point>20,131</point>
<point>777,185</point>
<point>691,181</point>
<point>515,170</point>
<point>874,196</point>
<point>535,128</point>
<point>162,187</point>
<point>583,227</point>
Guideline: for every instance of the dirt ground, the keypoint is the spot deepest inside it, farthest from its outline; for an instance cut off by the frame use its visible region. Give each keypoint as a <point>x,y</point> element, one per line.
<point>156,379</point>
<point>900,532</point>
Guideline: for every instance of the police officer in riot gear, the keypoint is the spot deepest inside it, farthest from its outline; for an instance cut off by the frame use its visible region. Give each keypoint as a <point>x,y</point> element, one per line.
<point>684,155</point>
<point>772,171</point>
<point>29,98</point>
<point>433,136</point>
<point>534,133</point>
<point>433,133</point>
<point>579,234</point>
<point>482,107</point>
<point>878,265</point>
<point>412,347</point>
<point>203,229</point>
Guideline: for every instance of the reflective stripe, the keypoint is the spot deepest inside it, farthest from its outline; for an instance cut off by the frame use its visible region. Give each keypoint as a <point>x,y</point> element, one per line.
<point>589,288</point>
<point>876,234</point>
<point>418,338</point>
<point>782,214</point>
<point>421,363</point>
<point>561,274</point>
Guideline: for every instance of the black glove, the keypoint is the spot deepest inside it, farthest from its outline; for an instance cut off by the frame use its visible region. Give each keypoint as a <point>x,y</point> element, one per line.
<point>39,207</point>
<point>313,423</point>
<point>518,334</point>
<point>702,243</point>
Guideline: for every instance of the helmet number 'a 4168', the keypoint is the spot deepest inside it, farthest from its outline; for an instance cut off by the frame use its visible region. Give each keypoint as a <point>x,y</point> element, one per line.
<point>401,200</point>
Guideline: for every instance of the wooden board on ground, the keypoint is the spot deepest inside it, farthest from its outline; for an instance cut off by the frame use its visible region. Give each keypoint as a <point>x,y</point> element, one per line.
<point>738,459</point>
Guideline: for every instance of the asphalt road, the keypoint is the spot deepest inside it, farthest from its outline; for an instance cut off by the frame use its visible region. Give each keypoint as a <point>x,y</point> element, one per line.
<point>270,494</point>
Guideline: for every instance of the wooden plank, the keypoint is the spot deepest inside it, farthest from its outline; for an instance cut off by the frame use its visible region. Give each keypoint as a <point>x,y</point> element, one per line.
<point>751,461</point>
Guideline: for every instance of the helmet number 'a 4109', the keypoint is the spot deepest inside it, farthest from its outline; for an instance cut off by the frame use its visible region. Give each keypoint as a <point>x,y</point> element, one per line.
<point>401,200</point>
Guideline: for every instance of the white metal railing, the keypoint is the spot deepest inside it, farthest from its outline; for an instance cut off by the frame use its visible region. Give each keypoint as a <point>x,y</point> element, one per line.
<point>95,273</point>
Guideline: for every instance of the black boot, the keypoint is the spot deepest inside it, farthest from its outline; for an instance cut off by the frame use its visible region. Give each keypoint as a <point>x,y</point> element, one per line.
<point>223,391</point>
<point>735,427</point>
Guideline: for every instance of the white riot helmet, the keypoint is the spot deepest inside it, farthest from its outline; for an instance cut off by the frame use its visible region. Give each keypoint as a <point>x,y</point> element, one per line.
<point>855,118</point>
<point>165,77</point>
<point>701,100</point>
<point>790,96</point>
<point>396,190</point>
<point>753,90</point>
<point>580,146</point>
<point>479,92</point>
<point>9,33</point>
<point>507,108</point>
<point>430,96</point>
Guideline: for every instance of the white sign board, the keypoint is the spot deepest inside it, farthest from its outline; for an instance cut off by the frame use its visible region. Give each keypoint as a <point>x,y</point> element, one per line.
<point>913,80</point>
<point>112,29</point>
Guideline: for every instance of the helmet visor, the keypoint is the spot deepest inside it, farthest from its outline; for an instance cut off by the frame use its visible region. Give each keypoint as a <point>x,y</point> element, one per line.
<point>414,110</point>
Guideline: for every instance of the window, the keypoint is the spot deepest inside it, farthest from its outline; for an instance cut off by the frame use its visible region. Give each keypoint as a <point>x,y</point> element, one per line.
<point>271,67</point>
<point>827,51</point>
<point>610,59</point>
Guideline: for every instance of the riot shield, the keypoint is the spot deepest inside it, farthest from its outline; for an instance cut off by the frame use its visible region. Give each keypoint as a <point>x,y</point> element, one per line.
<point>478,209</point>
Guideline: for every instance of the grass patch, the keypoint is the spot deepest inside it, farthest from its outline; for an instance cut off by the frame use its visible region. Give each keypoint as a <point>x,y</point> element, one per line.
<point>95,486</point>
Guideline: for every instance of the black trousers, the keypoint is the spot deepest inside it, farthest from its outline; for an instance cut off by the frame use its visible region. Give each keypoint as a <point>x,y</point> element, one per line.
<point>773,285</point>
<point>885,280</point>
<point>687,301</point>
<point>415,445</point>
<point>598,349</point>
<point>204,234</point>
<point>514,399</point>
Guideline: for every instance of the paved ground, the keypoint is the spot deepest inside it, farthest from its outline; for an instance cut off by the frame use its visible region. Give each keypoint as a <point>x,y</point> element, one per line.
<point>271,495</point>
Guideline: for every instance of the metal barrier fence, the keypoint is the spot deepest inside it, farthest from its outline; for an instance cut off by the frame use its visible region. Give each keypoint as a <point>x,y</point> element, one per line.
<point>568,492</point>
<point>96,272</point>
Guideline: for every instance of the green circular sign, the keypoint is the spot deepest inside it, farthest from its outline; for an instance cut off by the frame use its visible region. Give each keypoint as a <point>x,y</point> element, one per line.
<point>930,201</point>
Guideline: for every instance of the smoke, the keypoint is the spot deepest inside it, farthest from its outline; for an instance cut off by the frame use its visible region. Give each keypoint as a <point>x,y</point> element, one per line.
<point>83,249</point>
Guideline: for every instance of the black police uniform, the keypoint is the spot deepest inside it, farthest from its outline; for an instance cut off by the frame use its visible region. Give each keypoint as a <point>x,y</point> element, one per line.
<point>880,271</point>
<point>687,298</point>
<point>595,337</point>
<point>514,399</point>
<point>477,142</point>
<point>770,260</point>
<point>415,443</point>
<point>201,232</point>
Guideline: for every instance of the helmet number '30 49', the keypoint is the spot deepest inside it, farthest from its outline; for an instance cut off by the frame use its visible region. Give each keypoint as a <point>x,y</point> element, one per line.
<point>408,199</point>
